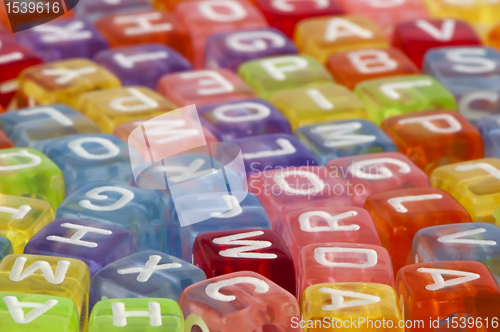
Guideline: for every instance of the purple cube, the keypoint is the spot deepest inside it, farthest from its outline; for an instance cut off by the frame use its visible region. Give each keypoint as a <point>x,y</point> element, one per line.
<point>63,39</point>
<point>143,64</point>
<point>92,10</point>
<point>97,244</point>
<point>230,49</point>
<point>231,120</point>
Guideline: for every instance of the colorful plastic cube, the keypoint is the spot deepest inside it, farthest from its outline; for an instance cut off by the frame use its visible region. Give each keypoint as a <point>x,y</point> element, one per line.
<point>337,139</point>
<point>387,97</point>
<point>144,274</point>
<point>111,107</point>
<point>417,37</point>
<point>275,74</point>
<point>434,138</point>
<point>242,118</point>
<point>262,251</point>
<point>352,67</point>
<point>230,49</point>
<point>224,302</point>
<point>18,169</point>
<point>5,247</point>
<point>489,127</point>
<point>474,11</point>
<point>201,87</point>
<point>63,39</point>
<point>62,82</point>
<point>345,224</point>
<point>34,127</point>
<point>90,157</point>
<point>398,215</point>
<point>140,211</point>
<point>202,19</point>
<point>322,36</point>
<point>93,10</point>
<point>474,184</point>
<point>312,105</point>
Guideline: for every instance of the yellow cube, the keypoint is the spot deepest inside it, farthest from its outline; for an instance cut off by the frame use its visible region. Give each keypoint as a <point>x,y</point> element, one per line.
<point>47,275</point>
<point>322,36</point>
<point>350,306</point>
<point>472,11</point>
<point>474,184</point>
<point>21,218</point>
<point>61,82</point>
<point>329,102</point>
<point>111,107</point>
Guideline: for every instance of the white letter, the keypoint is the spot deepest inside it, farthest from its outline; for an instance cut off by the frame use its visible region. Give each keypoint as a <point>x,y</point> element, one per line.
<point>445,33</point>
<point>371,257</point>
<point>143,23</point>
<point>335,135</point>
<point>382,172</point>
<point>139,101</point>
<point>339,27</point>
<point>338,299</point>
<point>17,313</point>
<point>284,144</point>
<point>236,10</point>
<point>466,56</point>
<point>437,275</point>
<point>333,222</point>
<point>286,6</point>
<point>65,75</point>
<point>51,112</point>
<point>35,160</point>
<point>426,121</point>
<point>209,77</point>
<point>484,166</point>
<point>77,147</point>
<point>456,238</point>
<point>234,206</point>
<point>186,173</point>
<point>55,34</point>
<point>262,112</point>
<point>76,238</point>
<point>212,290</point>
<point>127,196</point>
<point>317,184</point>
<point>389,89</point>
<point>385,3</point>
<point>17,214</point>
<point>255,41</point>
<point>248,245</point>
<point>17,273</point>
<point>120,315</point>
<point>372,61</point>
<point>277,67</point>
<point>396,202</point>
<point>166,130</point>
<point>130,61</point>
<point>150,267</point>
<point>319,99</point>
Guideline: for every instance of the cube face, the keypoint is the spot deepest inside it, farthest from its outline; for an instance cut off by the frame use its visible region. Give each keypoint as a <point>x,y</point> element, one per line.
<point>264,252</point>
<point>94,243</point>
<point>442,137</point>
<point>5,247</point>
<point>341,303</point>
<point>145,314</point>
<point>18,168</point>
<point>63,39</point>
<point>21,218</point>
<point>273,151</point>
<point>387,13</point>
<point>281,191</point>
<point>353,67</point>
<point>417,37</point>
<point>377,172</point>
<point>138,210</point>
<point>202,19</point>
<point>52,313</point>
<point>286,15</point>
<point>222,302</point>
<point>474,86</point>
<point>143,27</point>
<point>203,87</point>
<point>446,285</point>
<point>97,9</point>
<point>328,224</point>
<point>34,127</point>
<point>322,36</point>
<point>399,215</point>
<point>45,275</point>
<point>337,139</point>
<point>462,242</point>
<point>473,184</point>
<point>242,118</point>
<point>387,97</point>
<point>62,82</point>
<point>309,105</point>
<point>489,127</point>
<point>342,262</point>
<point>271,75</point>
<point>144,274</point>
<point>90,157</point>
<point>475,11</point>
<point>230,49</point>
<point>142,64</point>
<point>111,107</point>
<point>17,58</point>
